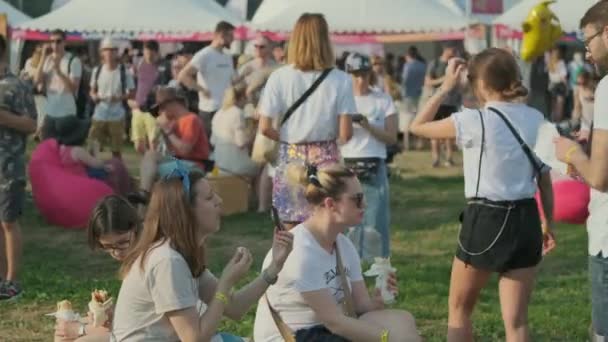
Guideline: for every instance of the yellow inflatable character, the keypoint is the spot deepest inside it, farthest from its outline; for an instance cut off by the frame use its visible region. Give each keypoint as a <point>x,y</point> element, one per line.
<point>541,31</point>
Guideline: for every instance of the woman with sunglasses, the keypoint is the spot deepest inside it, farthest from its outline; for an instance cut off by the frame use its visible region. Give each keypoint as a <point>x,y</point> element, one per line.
<point>167,293</point>
<point>501,228</point>
<point>113,227</point>
<point>308,295</point>
<point>374,130</point>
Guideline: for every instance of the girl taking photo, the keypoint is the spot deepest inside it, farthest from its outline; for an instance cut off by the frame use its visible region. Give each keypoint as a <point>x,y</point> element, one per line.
<point>501,228</point>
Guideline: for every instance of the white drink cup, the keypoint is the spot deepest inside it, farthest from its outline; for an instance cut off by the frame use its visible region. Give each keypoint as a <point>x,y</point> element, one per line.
<point>381,269</point>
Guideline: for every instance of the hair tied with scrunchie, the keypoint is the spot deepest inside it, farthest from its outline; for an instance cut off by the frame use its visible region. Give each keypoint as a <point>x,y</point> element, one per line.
<point>311,174</point>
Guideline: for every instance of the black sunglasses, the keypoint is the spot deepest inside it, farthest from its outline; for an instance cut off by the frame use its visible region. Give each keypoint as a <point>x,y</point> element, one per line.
<point>56,41</point>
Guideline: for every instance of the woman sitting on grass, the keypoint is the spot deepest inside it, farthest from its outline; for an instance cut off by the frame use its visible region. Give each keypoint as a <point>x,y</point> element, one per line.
<point>167,293</point>
<point>307,300</point>
<point>113,227</point>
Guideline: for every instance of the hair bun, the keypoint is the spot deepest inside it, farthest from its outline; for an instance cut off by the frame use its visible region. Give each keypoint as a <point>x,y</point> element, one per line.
<point>515,91</point>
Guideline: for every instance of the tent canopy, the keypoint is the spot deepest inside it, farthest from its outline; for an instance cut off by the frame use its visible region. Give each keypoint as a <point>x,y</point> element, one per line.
<point>361,16</point>
<point>13,15</point>
<point>134,16</point>
<point>569,13</point>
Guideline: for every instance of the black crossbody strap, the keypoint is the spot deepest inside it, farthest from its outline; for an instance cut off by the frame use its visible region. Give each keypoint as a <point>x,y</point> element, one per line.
<point>305,96</point>
<point>531,156</point>
<point>483,142</point>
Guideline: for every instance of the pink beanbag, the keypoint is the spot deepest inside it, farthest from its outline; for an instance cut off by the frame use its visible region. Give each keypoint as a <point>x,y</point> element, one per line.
<point>63,198</point>
<point>571,199</point>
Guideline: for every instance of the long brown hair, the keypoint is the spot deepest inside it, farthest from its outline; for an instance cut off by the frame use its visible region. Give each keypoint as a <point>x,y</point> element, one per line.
<point>170,217</point>
<point>499,71</point>
<point>309,45</point>
<point>114,215</point>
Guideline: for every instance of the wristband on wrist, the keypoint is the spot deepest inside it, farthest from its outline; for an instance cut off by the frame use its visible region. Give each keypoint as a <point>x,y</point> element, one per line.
<point>569,153</point>
<point>384,336</point>
<point>221,297</point>
<point>268,279</point>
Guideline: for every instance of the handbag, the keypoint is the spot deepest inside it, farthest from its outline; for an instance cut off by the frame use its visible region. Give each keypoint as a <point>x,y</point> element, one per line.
<point>348,306</point>
<point>264,149</point>
<point>364,168</point>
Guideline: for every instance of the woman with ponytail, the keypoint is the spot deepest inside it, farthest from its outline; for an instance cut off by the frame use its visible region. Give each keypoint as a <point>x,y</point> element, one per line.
<point>320,294</point>
<point>501,228</point>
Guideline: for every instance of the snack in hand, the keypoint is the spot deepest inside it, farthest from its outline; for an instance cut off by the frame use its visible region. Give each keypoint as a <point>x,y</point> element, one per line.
<point>98,306</point>
<point>65,311</point>
<point>381,270</point>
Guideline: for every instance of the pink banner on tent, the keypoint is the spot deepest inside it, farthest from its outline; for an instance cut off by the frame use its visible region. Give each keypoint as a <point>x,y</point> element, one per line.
<point>505,32</point>
<point>486,6</point>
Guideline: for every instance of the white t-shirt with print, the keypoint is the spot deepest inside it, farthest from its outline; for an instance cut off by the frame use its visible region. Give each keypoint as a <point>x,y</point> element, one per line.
<point>215,72</point>
<point>165,284</point>
<point>376,107</point>
<point>308,268</point>
<point>506,172</point>
<point>108,85</point>
<point>317,118</point>
<point>597,223</point>
<point>61,101</point>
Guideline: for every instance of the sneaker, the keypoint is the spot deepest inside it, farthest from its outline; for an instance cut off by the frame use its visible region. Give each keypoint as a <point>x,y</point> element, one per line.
<point>10,290</point>
<point>449,163</point>
<point>435,164</point>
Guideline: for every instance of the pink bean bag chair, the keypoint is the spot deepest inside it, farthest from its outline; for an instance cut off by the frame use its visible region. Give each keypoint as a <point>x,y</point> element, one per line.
<point>63,198</point>
<point>571,199</point>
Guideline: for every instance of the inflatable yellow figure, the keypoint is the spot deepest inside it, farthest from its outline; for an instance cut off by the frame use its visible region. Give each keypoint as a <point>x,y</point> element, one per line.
<point>541,31</point>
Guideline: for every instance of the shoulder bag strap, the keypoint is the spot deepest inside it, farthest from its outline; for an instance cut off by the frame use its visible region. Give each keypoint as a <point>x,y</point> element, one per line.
<point>483,143</point>
<point>531,156</point>
<point>349,305</point>
<point>305,96</point>
<point>285,331</point>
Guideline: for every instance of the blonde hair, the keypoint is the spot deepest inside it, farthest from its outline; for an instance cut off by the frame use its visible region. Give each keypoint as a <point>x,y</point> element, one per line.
<point>309,46</point>
<point>233,94</point>
<point>319,184</point>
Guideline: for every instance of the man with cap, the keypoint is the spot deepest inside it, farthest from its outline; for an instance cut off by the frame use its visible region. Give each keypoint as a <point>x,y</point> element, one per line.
<point>59,75</point>
<point>17,120</point>
<point>111,86</point>
<point>183,133</point>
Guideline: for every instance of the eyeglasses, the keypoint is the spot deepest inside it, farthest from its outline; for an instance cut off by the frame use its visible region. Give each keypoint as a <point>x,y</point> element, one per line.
<point>377,64</point>
<point>181,172</point>
<point>358,199</point>
<point>120,246</point>
<point>56,41</point>
<point>259,46</point>
<point>590,39</point>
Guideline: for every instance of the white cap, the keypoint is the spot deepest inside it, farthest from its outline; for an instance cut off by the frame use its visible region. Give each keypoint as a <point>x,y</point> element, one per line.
<point>108,43</point>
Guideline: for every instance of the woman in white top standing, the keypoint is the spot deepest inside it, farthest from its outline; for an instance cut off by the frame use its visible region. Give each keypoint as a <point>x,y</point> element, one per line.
<point>375,128</point>
<point>584,100</point>
<point>558,84</point>
<point>311,134</point>
<point>310,297</point>
<point>501,228</point>
<point>167,292</point>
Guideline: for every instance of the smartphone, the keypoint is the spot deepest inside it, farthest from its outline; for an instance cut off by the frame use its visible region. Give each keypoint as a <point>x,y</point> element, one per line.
<point>274,215</point>
<point>564,132</point>
<point>357,117</point>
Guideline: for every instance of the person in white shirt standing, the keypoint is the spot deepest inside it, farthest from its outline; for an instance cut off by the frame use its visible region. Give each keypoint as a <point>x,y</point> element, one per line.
<point>59,76</point>
<point>375,128</point>
<point>111,86</point>
<point>501,227</point>
<point>210,72</point>
<point>320,120</point>
<point>593,169</point>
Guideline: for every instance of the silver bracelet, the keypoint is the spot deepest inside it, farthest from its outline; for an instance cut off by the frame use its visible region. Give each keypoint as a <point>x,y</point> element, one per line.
<point>268,279</point>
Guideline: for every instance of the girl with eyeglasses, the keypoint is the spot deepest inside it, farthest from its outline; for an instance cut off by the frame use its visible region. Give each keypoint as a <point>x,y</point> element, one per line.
<point>168,293</point>
<point>113,227</point>
<point>307,300</point>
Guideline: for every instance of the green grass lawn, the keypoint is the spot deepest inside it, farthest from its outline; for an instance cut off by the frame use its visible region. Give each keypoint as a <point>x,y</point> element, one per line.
<point>425,205</point>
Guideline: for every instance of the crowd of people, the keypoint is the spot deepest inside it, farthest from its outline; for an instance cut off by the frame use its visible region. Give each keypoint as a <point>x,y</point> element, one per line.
<point>326,131</point>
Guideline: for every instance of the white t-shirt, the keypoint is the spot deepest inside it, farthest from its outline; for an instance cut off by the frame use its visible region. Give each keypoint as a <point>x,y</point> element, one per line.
<point>559,74</point>
<point>108,85</point>
<point>60,101</point>
<point>317,118</point>
<point>376,106</point>
<point>597,223</point>
<point>308,268</point>
<point>215,71</point>
<point>165,284</point>
<point>506,171</point>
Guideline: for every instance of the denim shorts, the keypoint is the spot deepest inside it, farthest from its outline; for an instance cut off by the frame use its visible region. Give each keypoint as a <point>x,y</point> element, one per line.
<point>598,277</point>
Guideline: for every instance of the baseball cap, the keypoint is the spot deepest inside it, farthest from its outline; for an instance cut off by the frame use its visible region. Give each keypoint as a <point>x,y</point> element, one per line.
<point>108,44</point>
<point>357,62</point>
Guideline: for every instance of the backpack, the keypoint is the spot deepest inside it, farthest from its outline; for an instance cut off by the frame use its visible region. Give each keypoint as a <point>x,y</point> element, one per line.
<point>82,94</point>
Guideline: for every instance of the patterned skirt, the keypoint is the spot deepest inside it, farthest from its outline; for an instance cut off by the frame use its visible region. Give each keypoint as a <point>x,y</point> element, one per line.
<point>289,199</point>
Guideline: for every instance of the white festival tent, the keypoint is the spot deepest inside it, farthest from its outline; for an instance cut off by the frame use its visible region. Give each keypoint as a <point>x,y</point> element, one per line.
<point>361,16</point>
<point>569,13</point>
<point>123,17</point>
<point>13,15</point>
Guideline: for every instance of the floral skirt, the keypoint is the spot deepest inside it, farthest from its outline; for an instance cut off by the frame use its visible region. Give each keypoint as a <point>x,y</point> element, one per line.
<point>287,198</point>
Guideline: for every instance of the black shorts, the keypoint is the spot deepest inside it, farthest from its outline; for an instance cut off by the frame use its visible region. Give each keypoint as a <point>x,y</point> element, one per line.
<point>12,198</point>
<point>498,239</point>
<point>445,112</point>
